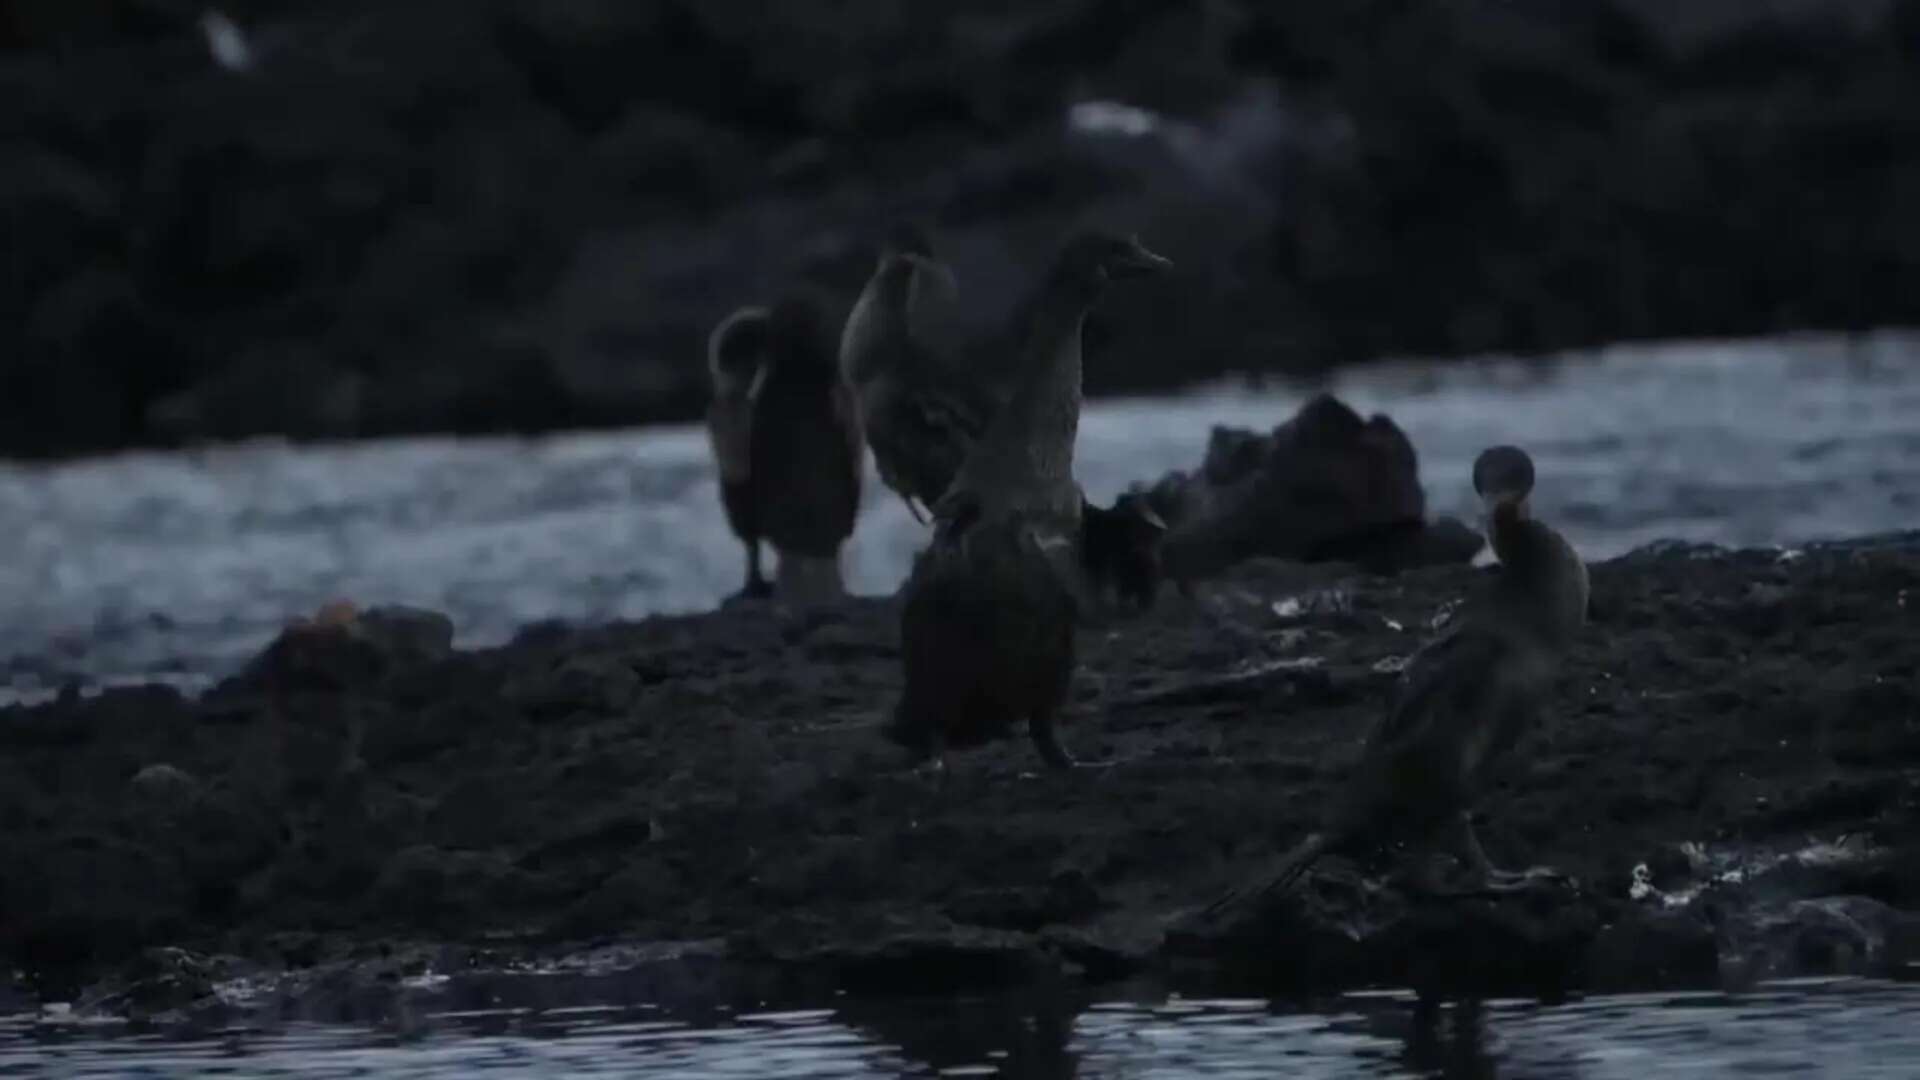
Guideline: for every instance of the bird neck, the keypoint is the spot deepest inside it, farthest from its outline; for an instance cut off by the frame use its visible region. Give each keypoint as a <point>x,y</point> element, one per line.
<point>1024,462</point>
<point>1542,588</point>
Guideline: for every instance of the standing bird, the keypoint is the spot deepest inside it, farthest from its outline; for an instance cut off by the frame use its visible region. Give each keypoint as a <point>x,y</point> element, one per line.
<point>920,419</point>
<point>736,362</point>
<point>1120,549</point>
<point>1465,699</point>
<point>803,452</point>
<point>987,627</point>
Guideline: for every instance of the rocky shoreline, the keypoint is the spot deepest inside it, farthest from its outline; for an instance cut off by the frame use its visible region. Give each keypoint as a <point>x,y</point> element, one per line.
<point>1732,782</point>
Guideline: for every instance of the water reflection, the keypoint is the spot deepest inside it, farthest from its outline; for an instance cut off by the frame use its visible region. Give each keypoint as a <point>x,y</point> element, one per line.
<point>490,1025</point>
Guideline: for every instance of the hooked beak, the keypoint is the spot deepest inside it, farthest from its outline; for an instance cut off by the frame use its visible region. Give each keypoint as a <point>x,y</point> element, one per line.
<point>1137,261</point>
<point>940,271</point>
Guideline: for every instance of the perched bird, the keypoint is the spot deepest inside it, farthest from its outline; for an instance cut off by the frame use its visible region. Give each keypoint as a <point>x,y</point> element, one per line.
<point>987,626</point>
<point>1120,549</point>
<point>920,418</point>
<point>1465,699</point>
<point>736,363</point>
<point>804,460</point>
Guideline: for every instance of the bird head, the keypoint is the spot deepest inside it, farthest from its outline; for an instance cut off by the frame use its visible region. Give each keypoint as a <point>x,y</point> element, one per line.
<point>1503,478</point>
<point>736,349</point>
<point>1092,259</point>
<point>908,249</point>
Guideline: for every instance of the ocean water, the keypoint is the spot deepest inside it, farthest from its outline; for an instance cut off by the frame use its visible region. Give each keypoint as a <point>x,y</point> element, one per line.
<point>178,566</point>
<point>485,1026</point>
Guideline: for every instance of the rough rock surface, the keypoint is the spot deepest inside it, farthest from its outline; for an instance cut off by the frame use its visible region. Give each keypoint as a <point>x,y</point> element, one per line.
<point>519,214</point>
<point>1731,779</point>
<point>1323,485</point>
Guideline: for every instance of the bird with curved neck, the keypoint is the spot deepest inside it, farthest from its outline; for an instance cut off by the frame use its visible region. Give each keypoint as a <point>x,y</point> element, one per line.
<point>736,365</point>
<point>920,420</point>
<point>991,607</point>
<point>805,462</point>
<point>1465,699</point>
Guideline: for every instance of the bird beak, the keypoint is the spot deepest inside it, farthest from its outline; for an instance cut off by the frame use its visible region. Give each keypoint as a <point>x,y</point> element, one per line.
<point>1492,501</point>
<point>1137,261</point>
<point>940,271</point>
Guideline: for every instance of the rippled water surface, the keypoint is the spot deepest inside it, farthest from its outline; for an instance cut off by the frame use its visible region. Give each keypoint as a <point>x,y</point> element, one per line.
<point>179,565</point>
<point>1837,1028</point>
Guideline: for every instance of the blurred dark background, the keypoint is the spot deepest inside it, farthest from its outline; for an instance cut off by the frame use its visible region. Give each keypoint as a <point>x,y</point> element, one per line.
<point>408,215</point>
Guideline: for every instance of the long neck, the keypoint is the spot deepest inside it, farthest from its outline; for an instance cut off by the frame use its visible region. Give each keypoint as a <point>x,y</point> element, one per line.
<point>1045,408</point>
<point>1543,582</point>
<point>1028,450</point>
<point>879,320</point>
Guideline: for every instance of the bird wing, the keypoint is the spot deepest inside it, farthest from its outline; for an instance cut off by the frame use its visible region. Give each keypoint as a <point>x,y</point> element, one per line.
<point>729,432</point>
<point>846,415</point>
<point>1447,676</point>
<point>920,436</point>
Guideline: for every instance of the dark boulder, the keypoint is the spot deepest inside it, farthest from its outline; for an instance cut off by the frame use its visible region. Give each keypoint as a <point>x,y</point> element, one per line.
<point>1323,486</point>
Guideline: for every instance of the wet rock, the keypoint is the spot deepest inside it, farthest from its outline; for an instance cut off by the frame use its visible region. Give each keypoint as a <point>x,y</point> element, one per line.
<point>1830,935</point>
<point>644,890</point>
<point>164,787</point>
<point>1654,945</point>
<point>1325,485</point>
<point>1121,551</point>
<point>900,955</point>
<point>344,649</point>
<point>424,886</point>
<point>688,777</point>
<point>1342,920</point>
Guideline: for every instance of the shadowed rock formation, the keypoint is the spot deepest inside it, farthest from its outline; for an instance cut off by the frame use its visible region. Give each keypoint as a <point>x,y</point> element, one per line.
<point>1324,485</point>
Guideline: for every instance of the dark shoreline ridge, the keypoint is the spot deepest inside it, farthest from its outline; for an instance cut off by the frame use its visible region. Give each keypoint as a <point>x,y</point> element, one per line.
<point>521,216</point>
<point>720,779</point>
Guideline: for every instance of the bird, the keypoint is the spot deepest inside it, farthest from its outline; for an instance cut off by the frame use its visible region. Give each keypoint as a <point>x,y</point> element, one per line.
<point>920,417</point>
<point>1120,549</point>
<point>804,457</point>
<point>1464,700</point>
<point>991,606</point>
<point>736,359</point>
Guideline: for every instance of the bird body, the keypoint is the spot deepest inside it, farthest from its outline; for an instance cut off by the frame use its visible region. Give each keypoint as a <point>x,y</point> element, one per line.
<point>1465,700</point>
<point>736,368</point>
<point>785,434</point>
<point>1120,550</point>
<point>920,420</point>
<point>804,450</point>
<point>991,607</point>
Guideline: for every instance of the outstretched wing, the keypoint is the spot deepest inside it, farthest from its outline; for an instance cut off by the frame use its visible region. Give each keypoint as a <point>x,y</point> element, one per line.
<point>920,436</point>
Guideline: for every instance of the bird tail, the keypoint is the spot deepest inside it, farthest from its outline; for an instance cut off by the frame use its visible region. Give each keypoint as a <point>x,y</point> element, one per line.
<point>1278,877</point>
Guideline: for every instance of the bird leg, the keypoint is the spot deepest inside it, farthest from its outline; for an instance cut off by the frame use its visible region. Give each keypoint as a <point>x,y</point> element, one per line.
<point>1047,741</point>
<point>757,586</point>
